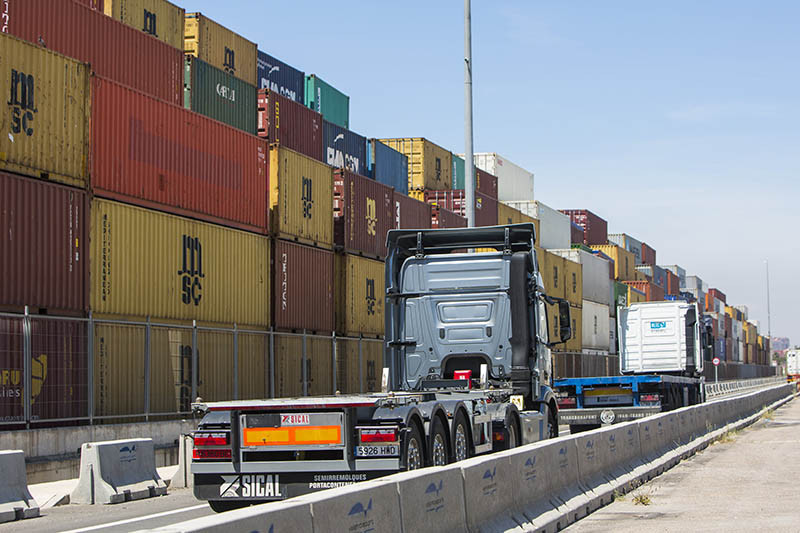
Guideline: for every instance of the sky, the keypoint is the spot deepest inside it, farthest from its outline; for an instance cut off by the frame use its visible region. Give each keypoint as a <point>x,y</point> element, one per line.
<point>675,121</point>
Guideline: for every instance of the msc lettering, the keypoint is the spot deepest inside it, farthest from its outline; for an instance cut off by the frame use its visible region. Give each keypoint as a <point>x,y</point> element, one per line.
<point>22,102</point>
<point>191,271</point>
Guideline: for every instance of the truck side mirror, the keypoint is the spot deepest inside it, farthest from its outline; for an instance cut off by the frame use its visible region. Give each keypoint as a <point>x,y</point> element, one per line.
<point>564,319</point>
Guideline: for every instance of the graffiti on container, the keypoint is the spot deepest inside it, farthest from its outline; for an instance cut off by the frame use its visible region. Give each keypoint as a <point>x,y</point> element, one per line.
<point>339,159</point>
<point>191,271</point>
<point>149,24</point>
<point>22,102</point>
<point>226,92</point>
<point>229,62</point>
<point>284,280</point>
<point>372,216</point>
<point>370,296</point>
<point>307,197</point>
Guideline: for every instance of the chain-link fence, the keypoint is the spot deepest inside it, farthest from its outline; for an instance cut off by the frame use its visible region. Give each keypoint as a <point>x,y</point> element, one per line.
<point>58,370</point>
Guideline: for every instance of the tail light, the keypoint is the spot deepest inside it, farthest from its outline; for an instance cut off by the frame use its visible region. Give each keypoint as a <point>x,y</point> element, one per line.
<point>211,439</point>
<point>649,398</point>
<point>567,402</point>
<point>201,454</point>
<point>372,435</point>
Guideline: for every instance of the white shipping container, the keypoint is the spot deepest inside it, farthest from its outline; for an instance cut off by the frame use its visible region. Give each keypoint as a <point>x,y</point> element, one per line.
<point>743,309</point>
<point>612,335</point>
<point>554,227</point>
<point>792,362</point>
<point>694,282</point>
<point>513,181</point>
<point>595,335</point>
<point>740,344</point>
<point>678,271</point>
<point>623,240</point>
<point>653,337</point>
<point>597,287</point>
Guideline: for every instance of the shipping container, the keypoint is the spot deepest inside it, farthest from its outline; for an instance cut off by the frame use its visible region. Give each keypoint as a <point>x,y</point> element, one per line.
<point>217,45</point>
<point>360,291</point>
<point>302,287</point>
<point>453,200</point>
<point>285,122</point>
<point>158,18</point>
<point>410,213</point>
<point>301,197</point>
<point>553,271</point>
<point>555,226</point>
<point>648,254</point>
<point>718,294</point>
<point>596,286</point>
<point>281,78</point>
<point>387,165</point>
<point>575,342</point>
<point>94,4</point>
<point>635,295</point>
<point>46,119</point>
<point>216,94</point>
<point>620,296</point>
<point>444,218</point>
<point>429,165</point>
<point>358,371</point>
<point>573,284</point>
<point>672,283</point>
<point>362,213</point>
<point>640,276</point>
<point>612,265</point>
<point>627,242</point>
<point>114,50</point>
<point>678,271</point>
<point>459,171</point>
<point>486,183</point>
<point>149,263</point>
<point>624,261</point>
<point>652,292</point>
<point>58,366</point>
<point>595,334</point>
<point>508,215</point>
<point>289,376</point>
<point>694,282</point>
<point>344,148</point>
<point>161,156</point>
<point>655,273</point>
<point>43,243</point>
<point>330,102</point>
<point>514,182</point>
<point>576,234</point>
<point>595,228</point>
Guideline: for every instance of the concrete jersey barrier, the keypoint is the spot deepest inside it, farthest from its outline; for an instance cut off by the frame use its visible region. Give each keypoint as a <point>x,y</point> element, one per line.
<point>116,471</point>
<point>16,501</point>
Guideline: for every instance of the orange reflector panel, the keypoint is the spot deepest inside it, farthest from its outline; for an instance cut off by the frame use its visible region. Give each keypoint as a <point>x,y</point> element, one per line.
<point>287,436</point>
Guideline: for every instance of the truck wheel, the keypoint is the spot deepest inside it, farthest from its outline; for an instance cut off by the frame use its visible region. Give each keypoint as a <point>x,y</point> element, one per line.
<point>512,432</point>
<point>438,445</point>
<point>415,453</point>
<point>551,431</point>
<point>220,506</point>
<point>460,437</point>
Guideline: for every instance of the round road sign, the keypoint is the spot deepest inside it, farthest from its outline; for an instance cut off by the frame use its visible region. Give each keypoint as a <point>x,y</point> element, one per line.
<point>715,361</point>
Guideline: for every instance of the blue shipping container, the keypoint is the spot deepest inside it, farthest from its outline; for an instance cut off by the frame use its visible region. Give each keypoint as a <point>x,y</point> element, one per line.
<point>388,166</point>
<point>344,148</point>
<point>277,76</point>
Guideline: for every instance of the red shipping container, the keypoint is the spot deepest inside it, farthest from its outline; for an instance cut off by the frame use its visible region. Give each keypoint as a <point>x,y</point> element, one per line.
<point>158,155</point>
<point>595,228</point>
<point>576,234</point>
<point>486,183</point>
<point>114,50</point>
<point>44,242</point>
<point>648,255</point>
<point>94,4</point>
<point>290,124</point>
<point>453,200</point>
<point>410,213</point>
<point>59,373</point>
<point>718,294</point>
<point>651,291</point>
<point>303,287</point>
<point>362,213</point>
<point>444,218</point>
<point>673,283</point>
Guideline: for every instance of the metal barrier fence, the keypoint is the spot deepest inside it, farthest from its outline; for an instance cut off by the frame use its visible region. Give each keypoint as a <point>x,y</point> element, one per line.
<point>62,370</point>
<point>581,365</point>
<point>725,388</point>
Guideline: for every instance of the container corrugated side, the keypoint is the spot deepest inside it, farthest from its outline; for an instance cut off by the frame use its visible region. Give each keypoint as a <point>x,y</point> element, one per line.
<point>219,46</point>
<point>148,152</point>
<point>281,78</point>
<point>113,49</point>
<point>486,183</point>
<point>648,254</point>
<point>360,291</point>
<point>454,200</point>
<point>629,243</point>
<point>289,366</point>
<point>387,165</point>
<point>330,102</point>
<point>362,213</point>
<point>624,261</point>
<point>216,94</point>
<point>573,281</point>
<point>158,18</point>
<point>358,373</point>
<point>576,234</point>
<point>444,218</point>
<point>344,148</point>
<point>595,228</point>
<point>46,116</point>
<point>301,197</point>
<point>596,285</point>
<point>410,213</point>
<point>508,215</point>
<point>553,272</point>
<point>285,122</point>
<point>652,292</point>
<point>514,182</point>
<point>303,287</point>
<point>594,331</point>
<point>43,245</point>
<point>148,263</point>
<point>459,172</point>
<point>429,165</point>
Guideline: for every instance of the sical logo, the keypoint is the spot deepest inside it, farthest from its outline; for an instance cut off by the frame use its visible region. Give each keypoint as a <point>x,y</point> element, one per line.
<point>658,325</point>
<point>230,487</point>
<point>22,102</point>
<point>191,271</point>
<point>307,197</point>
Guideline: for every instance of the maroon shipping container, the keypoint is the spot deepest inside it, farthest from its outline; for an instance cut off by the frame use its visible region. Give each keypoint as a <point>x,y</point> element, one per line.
<point>362,213</point>
<point>486,183</point>
<point>728,326</point>
<point>648,255</point>
<point>94,4</point>
<point>444,218</point>
<point>673,283</point>
<point>410,213</point>
<point>58,369</point>
<point>576,233</point>
<point>43,246</point>
<point>303,287</point>
<point>718,294</point>
<point>595,229</point>
<point>652,292</point>
<point>114,50</point>
<point>291,124</point>
<point>453,200</point>
<point>162,156</point>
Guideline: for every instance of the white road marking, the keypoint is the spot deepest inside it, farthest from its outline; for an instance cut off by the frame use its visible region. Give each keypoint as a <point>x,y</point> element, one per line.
<point>137,519</point>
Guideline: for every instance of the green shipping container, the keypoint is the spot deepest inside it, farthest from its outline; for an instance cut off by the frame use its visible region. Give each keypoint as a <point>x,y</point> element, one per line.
<point>620,294</point>
<point>459,172</point>
<point>332,104</point>
<point>216,94</point>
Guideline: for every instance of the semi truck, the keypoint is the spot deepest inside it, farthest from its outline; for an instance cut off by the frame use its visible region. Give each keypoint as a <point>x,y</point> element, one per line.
<point>793,365</point>
<point>467,371</point>
<point>662,347</point>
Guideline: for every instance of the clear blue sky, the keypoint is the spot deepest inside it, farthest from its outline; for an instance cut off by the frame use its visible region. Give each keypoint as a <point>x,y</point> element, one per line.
<point>676,121</point>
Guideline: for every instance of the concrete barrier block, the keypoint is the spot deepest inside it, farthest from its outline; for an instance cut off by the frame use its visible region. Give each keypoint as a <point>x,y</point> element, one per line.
<point>489,485</point>
<point>360,508</point>
<point>597,457</point>
<point>431,499</point>
<point>635,463</point>
<point>183,477</point>
<point>16,501</point>
<point>117,471</point>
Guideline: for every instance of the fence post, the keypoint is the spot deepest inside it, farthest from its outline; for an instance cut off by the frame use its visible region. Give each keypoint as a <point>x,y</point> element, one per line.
<point>333,340</point>
<point>90,369</point>
<point>26,367</point>
<point>194,362</point>
<point>360,363</point>
<point>147,388</point>
<point>271,362</point>
<point>303,369</point>
<point>235,362</point>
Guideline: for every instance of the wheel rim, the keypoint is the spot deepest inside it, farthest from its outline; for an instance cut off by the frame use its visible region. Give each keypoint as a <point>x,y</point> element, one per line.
<point>439,450</point>
<point>460,443</point>
<point>414,454</point>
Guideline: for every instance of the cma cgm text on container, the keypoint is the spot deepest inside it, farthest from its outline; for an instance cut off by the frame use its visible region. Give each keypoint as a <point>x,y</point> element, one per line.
<point>281,78</point>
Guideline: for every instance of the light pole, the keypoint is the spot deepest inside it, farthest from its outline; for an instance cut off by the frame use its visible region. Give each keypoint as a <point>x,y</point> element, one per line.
<point>769,319</point>
<point>469,173</point>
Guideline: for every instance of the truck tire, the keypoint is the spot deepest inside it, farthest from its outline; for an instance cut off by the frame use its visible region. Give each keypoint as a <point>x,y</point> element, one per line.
<point>220,506</point>
<point>551,422</point>
<point>414,454</point>
<point>513,434</point>
<point>439,448</point>
<point>461,447</point>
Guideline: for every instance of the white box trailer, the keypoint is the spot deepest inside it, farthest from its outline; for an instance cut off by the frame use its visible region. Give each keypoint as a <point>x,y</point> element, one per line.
<point>661,337</point>
<point>793,363</point>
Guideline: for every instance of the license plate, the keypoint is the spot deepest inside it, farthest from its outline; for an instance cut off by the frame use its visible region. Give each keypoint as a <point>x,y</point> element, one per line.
<point>378,451</point>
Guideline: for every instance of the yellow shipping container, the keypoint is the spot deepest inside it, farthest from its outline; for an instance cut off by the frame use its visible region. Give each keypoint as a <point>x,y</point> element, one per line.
<point>624,261</point>
<point>635,296</point>
<point>429,165</point>
<point>301,197</point>
<point>158,18</point>
<point>574,343</point>
<point>573,282</point>
<point>289,366</point>
<point>553,272</point>
<point>352,377</point>
<point>508,215</point>
<point>360,290</point>
<point>639,276</point>
<point>147,263</point>
<point>45,122</point>
<point>219,46</point>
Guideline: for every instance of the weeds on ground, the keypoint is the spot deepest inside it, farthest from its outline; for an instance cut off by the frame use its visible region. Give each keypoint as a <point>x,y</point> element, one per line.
<point>728,436</point>
<point>642,499</point>
<point>619,496</point>
<point>769,414</point>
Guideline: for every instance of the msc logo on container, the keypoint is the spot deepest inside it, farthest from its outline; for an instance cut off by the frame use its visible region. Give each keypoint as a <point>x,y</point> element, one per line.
<point>191,271</point>
<point>229,61</point>
<point>149,23</point>
<point>307,197</point>
<point>372,216</point>
<point>370,296</point>
<point>658,325</point>
<point>22,102</point>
